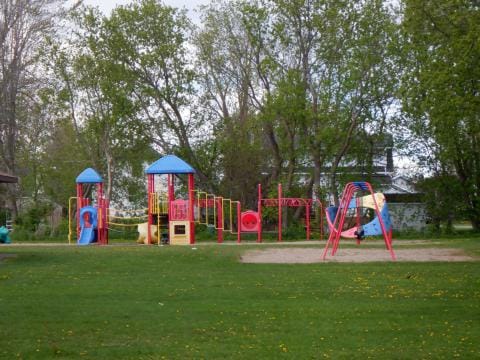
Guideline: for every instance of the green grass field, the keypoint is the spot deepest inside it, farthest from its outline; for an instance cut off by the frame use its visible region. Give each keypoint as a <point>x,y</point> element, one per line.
<point>141,302</point>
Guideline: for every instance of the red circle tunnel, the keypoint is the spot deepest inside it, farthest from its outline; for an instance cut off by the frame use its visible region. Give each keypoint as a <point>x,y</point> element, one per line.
<point>250,221</point>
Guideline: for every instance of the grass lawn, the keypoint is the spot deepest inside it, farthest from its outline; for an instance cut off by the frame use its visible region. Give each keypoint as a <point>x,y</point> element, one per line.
<point>141,302</point>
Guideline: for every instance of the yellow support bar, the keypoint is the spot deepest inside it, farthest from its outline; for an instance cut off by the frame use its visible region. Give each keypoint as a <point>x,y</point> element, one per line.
<point>99,214</point>
<point>214,211</point>
<point>136,211</point>
<point>125,225</point>
<point>159,235</point>
<point>127,218</point>
<point>151,202</point>
<point>158,204</point>
<point>198,196</point>
<point>231,218</point>
<point>206,207</point>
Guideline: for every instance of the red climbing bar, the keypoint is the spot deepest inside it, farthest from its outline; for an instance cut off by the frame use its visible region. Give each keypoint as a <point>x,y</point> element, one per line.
<point>191,210</point>
<point>259,210</point>
<point>279,212</point>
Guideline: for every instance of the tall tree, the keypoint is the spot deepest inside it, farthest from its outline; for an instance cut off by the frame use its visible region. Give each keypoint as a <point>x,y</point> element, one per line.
<point>99,91</point>
<point>357,84</point>
<point>440,90</point>
<point>315,73</point>
<point>24,25</point>
<point>149,40</point>
<point>234,85</point>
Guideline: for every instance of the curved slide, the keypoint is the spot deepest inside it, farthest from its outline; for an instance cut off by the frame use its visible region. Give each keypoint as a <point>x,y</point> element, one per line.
<point>87,235</point>
<point>88,225</point>
<point>371,228</point>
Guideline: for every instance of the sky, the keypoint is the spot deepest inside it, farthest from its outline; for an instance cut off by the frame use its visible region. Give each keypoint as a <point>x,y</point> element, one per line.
<point>106,6</point>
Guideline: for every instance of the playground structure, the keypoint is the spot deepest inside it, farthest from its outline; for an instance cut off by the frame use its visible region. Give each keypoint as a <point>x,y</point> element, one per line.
<point>172,216</point>
<point>280,202</point>
<point>173,209</point>
<point>356,206</point>
<point>91,217</point>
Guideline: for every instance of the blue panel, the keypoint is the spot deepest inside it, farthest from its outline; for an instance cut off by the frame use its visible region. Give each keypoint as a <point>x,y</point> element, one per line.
<point>360,185</point>
<point>170,164</point>
<point>386,217</point>
<point>89,176</point>
<point>353,203</point>
<point>87,234</point>
<point>92,211</point>
<point>374,228</point>
<point>331,213</point>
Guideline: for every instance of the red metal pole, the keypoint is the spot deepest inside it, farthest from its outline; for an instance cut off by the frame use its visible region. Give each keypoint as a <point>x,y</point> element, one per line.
<point>100,205</point>
<point>171,189</point>
<point>219,204</point>
<point>357,214</point>
<point>346,201</point>
<point>307,220</point>
<point>335,233</point>
<point>171,198</point>
<point>151,189</point>
<point>279,212</point>
<point>321,219</point>
<point>191,215</point>
<point>347,195</point>
<point>259,210</point>
<point>99,216</point>
<point>100,190</point>
<point>388,242</point>
<point>239,209</point>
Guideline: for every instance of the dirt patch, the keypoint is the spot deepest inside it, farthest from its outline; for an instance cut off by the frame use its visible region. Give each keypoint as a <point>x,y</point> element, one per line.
<point>312,255</point>
<point>6,256</point>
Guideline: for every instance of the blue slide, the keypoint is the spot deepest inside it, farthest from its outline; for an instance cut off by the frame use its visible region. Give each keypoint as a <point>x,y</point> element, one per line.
<point>88,225</point>
<point>87,235</point>
<point>374,227</point>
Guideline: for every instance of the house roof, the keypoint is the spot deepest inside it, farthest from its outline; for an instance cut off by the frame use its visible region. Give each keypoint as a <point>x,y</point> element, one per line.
<point>170,164</point>
<point>89,176</point>
<point>395,189</point>
<point>401,177</point>
<point>6,178</point>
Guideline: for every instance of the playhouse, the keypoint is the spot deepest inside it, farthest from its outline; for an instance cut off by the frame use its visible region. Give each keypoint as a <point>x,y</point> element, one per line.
<point>172,216</point>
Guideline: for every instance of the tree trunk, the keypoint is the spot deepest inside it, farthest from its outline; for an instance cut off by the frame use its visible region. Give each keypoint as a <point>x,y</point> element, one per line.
<point>475,215</point>
<point>276,153</point>
<point>339,156</point>
<point>110,171</point>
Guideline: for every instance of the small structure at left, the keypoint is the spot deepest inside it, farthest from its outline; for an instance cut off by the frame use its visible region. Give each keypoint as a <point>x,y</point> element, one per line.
<point>91,209</point>
<point>5,230</point>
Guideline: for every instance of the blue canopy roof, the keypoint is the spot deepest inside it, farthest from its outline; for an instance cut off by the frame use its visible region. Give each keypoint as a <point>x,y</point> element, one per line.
<point>89,176</point>
<point>170,164</point>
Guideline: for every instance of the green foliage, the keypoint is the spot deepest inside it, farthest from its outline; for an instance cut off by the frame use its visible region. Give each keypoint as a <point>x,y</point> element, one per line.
<point>5,215</point>
<point>241,159</point>
<point>443,198</point>
<point>63,160</point>
<point>260,92</point>
<point>31,219</point>
<point>440,88</point>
